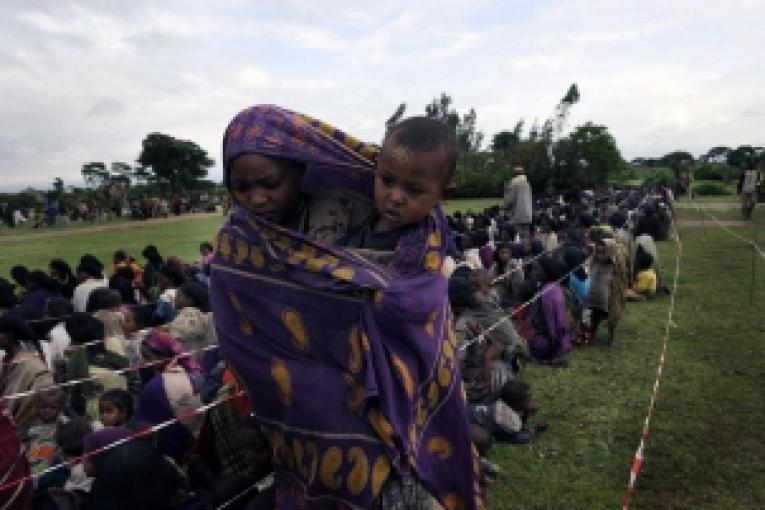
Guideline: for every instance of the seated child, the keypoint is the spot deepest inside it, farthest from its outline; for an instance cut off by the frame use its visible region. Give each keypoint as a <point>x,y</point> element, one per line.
<point>115,408</point>
<point>69,438</point>
<point>645,280</point>
<point>41,435</point>
<point>414,172</point>
<point>506,418</point>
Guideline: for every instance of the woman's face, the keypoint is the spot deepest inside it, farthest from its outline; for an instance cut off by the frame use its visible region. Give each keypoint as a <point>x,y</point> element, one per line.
<point>266,187</point>
<point>504,254</point>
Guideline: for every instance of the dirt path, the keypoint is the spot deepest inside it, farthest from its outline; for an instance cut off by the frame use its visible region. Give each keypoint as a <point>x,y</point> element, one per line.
<point>102,228</point>
<point>712,206</point>
<point>711,223</point>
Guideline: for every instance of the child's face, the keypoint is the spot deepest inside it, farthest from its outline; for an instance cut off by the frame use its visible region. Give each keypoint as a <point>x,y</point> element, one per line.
<point>129,324</point>
<point>110,415</point>
<point>504,254</point>
<point>408,185</point>
<point>48,410</point>
<point>266,187</point>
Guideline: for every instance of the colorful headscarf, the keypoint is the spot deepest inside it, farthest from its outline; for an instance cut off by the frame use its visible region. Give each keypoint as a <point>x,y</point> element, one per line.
<point>351,367</point>
<point>165,344</point>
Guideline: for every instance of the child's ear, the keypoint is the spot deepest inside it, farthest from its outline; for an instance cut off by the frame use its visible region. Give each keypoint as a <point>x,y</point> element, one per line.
<point>448,192</point>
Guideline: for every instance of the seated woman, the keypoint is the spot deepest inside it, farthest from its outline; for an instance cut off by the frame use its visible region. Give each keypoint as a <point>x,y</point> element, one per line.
<point>645,279</point>
<point>40,288</point>
<point>96,360</point>
<point>193,325</point>
<point>23,370</point>
<point>171,391</point>
<point>291,311</point>
<point>553,336</point>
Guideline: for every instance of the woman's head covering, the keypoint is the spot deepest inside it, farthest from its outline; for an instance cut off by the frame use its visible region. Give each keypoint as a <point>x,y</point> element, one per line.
<point>135,476</point>
<point>91,266</point>
<point>151,253</point>
<point>42,281</point>
<point>18,328</point>
<point>197,292</point>
<point>83,327</point>
<point>277,132</point>
<point>517,250</point>
<point>551,268</point>
<point>101,439</point>
<point>58,307</point>
<point>166,345</point>
<point>20,274</point>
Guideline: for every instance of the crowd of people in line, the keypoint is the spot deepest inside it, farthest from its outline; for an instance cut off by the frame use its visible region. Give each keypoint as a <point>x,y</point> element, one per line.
<point>105,372</point>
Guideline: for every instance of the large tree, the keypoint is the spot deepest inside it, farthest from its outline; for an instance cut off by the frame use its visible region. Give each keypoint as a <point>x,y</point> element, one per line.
<point>587,157</point>
<point>179,163</point>
<point>465,128</point>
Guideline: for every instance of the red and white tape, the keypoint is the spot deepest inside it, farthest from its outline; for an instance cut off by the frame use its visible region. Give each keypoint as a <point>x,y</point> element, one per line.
<point>637,460</point>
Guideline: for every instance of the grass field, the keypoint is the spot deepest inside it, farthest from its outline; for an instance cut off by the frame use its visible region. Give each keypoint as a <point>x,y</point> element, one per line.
<point>706,448</point>
<point>707,444</point>
<point>180,238</point>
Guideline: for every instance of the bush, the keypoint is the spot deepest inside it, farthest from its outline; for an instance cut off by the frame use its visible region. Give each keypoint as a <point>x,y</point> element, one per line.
<point>711,189</point>
<point>715,172</point>
<point>660,177</point>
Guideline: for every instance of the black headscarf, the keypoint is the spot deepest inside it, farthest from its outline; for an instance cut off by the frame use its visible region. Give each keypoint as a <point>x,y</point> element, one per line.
<point>197,292</point>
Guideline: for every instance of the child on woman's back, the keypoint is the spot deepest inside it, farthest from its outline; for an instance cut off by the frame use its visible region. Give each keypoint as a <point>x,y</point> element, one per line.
<point>414,172</point>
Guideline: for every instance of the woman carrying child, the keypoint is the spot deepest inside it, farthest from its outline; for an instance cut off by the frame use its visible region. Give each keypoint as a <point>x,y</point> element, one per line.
<point>350,363</point>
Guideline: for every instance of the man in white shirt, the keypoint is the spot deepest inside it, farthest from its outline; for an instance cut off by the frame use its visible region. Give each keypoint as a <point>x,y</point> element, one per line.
<point>90,274</point>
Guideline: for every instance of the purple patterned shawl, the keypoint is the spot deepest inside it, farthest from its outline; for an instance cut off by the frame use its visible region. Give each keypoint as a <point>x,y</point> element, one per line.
<point>350,366</point>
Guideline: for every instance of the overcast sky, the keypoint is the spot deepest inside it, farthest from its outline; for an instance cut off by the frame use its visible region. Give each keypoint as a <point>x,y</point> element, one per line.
<point>86,81</point>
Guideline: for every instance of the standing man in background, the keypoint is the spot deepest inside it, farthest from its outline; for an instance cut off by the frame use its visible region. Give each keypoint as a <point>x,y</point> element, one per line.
<point>518,202</point>
<point>747,186</point>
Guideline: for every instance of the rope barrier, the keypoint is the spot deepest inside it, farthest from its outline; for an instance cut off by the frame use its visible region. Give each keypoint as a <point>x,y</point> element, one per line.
<point>482,336</point>
<point>141,433</point>
<point>121,371</point>
<point>727,229</point>
<point>637,460</point>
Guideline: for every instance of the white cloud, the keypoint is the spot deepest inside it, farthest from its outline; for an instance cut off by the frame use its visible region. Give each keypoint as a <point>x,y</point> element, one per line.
<point>83,81</point>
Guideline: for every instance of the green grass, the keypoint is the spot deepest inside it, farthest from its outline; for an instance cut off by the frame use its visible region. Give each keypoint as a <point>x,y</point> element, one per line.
<point>475,205</point>
<point>180,238</point>
<point>706,448</point>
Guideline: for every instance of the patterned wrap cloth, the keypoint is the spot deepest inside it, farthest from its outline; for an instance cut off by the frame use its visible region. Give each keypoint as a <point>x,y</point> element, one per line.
<point>350,366</point>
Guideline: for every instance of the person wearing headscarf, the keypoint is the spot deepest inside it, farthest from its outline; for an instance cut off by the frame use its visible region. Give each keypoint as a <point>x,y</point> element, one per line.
<point>97,360</point>
<point>98,445</point>
<point>553,336</point>
<point>134,476</point>
<point>288,305</point>
<point>65,277</point>
<point>40,288</point>
<point>608,284</point>
<point>193,325</point>
<point>151,271</point>
<point>7,296</point>
<point>23,370</point>
<point>171,391</point>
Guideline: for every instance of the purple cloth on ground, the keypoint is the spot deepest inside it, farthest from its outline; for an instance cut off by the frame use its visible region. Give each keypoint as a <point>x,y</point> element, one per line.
<point>351,367</point>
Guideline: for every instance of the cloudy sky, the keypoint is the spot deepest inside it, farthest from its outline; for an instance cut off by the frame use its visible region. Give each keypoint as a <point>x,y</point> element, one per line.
<point>86,81</point>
